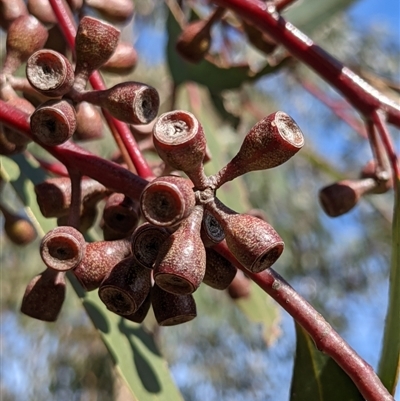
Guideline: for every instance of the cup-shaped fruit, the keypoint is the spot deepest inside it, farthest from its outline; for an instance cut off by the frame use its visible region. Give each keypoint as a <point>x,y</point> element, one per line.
<point>211,231</point>
<point>117,11</point>
<point>131,102</point>
<point>53,122</point>
<point>171,309</point>
<point>271,142</point>
<point>240,287</point>
<point>100,257</point>
<point>121,213</point>
<point>89,124</point>
<point>219,271</point>
<point>8,147</point>
<point>44,296</point>
<point>25,36</point>
<point>124,59</point>
<point>181,262</point>
<point>87,218</point>
<point>179,140</point>
<point>50,73</point>
<point>95,42</point>
<point>62,248</point>
<point>340,197</point>
<point>146,243</point>
<point>167,200</point>
<point>54,195</point>
<point>258,39</point>
<point>19,230</point>
<point>42,10</point>
<point>141,313</point>
<point>194,41</point>
<point>253,242</point>
<point>10,11</point>
<point>126,287</point>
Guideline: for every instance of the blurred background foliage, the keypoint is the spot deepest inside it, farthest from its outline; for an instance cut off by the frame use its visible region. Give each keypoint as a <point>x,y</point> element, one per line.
<point>339,265</point>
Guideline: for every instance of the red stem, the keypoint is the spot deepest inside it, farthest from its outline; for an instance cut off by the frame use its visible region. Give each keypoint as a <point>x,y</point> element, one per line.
<point>68,28</point>
<point>340,109</point>
<point>326,339</point>
<point>76,195</point>
<point>360,94</point>
<point>110,174</point>
<point>55,168</point>
<point>378,118</point>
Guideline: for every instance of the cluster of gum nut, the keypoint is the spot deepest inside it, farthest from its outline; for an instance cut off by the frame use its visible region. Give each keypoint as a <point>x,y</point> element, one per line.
<point>164,260</point>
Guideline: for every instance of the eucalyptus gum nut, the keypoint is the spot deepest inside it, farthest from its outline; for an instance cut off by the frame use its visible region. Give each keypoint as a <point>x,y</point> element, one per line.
<point>7,147</point>
<point>146,243</point>
<point>167,200</point>
<point>19,231</point>
<point>53,122</point>
<point>100,257</point>
<point>121,213</point>
<point>171,309</point>
<point>42,10</point>
<point>179,140</point>
<point>194,41</point>
<point>219,271</point>
<point>181,261</point>
<point>131,102</point>
<point>269,143</point>
<point>125,287</point>
<point>259,39</point>
<point>10,11</point>
<point>340,197</point>
<point>25,36</point>
<point>50,73</point>
<point>95,42</point>
<point>89,124</point>
<point>240,286</point>
<point>141,313</point>
<point>123,61</point>
<point>87,218</point>
<point>211,231</point>
<point>54,195</point>
<point>62,248</point>
<point>253,242</point>
<point>117,11</point>
<point>44,296</point>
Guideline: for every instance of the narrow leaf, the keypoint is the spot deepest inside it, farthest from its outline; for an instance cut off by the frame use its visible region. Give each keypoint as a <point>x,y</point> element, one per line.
<point>317,377</point>
<point>389,365</point>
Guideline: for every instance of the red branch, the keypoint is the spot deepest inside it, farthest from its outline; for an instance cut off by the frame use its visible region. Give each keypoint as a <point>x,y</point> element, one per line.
<point>326,339</point>
<point>68,28</point>
<point>362,96</point>
<point>340,109</point>
<point>118,178</point>
<point>110,174</point>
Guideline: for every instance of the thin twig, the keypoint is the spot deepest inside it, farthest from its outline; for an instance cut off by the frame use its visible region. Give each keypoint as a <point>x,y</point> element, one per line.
<point>362,96</point>
<point>110,174</point>
<point>326,339</point>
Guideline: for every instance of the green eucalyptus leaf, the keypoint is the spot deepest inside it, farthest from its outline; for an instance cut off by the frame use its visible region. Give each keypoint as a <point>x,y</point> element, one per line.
<point>308,15</point>
<point>389,365</point>
<point>214,77</point>
<point>317,377</point>
<point>133,349</point>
